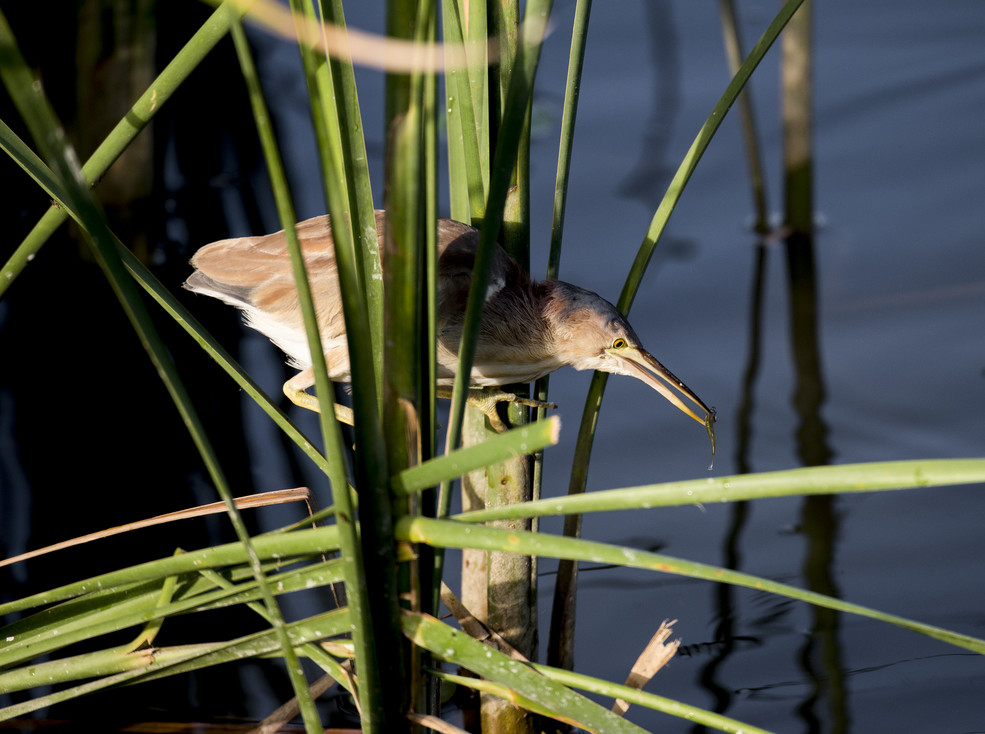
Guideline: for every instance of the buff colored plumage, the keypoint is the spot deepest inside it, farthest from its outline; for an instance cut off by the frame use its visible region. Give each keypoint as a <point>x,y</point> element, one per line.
<point>529,328</point>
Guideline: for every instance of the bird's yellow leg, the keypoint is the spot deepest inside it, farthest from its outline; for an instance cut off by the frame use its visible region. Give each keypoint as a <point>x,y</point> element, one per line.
<point>297,390</point>
<point>487,399</point>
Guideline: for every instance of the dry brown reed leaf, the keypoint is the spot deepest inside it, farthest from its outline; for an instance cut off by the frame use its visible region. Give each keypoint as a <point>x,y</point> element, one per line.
<point>263,499</point>
<point>654,656</point>
<point>433,722</point>
<point>475,627</point>
<point>283,714</point>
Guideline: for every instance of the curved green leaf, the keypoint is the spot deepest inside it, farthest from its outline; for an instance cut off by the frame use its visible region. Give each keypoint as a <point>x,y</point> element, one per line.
<point>870,477</point>
<point>451,534</point>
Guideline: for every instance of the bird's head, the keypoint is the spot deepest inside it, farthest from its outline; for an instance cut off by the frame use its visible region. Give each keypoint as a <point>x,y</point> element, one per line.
<point>590,334</point>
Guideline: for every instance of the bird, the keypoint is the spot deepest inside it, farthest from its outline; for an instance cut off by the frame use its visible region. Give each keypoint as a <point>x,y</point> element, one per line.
<point>529,328</point>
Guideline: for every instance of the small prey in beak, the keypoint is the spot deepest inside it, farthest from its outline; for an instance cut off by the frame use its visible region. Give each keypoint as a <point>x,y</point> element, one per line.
<point>639,363</point>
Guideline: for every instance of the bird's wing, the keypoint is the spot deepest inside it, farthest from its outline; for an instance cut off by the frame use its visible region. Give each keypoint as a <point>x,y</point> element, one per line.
<point>457,246</point>
<point>256,273</point>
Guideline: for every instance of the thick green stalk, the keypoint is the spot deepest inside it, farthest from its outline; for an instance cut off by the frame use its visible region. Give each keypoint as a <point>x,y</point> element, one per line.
<point>405,233</point>
<point>429,307</point>
<point>429,695</point>
<point>500,588</point>
<point>516,215</point>
<point>406,364</point>
<point>521,87</point>
<point>466,101</point>
<point>466,105</point>
<point>335,113</point>
<point>512,586</point>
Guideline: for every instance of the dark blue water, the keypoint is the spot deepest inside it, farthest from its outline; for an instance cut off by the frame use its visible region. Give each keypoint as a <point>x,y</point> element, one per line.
<point>900,91</point>
<point>900,277</point>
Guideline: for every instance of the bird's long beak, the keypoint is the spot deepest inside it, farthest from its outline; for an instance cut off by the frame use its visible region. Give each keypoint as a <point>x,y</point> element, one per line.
<point>644,366</point>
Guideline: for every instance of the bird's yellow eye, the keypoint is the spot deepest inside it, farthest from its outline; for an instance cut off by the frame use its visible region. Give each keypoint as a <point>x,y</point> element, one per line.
<point>619,343</point>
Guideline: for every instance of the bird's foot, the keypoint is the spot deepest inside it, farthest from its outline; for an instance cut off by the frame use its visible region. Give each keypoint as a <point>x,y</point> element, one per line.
<point>485,399</point>
<point>488,399</point>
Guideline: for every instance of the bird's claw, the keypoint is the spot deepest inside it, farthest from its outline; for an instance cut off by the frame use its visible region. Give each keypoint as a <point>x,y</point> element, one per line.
<point>530,402</point>
<point>488,399</point>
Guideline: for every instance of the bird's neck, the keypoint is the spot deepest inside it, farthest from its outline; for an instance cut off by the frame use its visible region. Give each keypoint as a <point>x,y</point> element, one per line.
<point>515,340</point>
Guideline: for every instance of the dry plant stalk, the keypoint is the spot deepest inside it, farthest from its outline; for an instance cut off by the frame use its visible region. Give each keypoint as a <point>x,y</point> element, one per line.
<point>474,627</point>
<point>283,714</point>
<point>263,499</point>
<point>433,722</point>
<point>654,656</point>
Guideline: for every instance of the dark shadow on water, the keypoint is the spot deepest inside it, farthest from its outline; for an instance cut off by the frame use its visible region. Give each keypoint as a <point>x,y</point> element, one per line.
<point>821,654</point>
<point>809,393</point>
<point>648,181</point>
<point>820,658</point>
<point>726,631</point>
